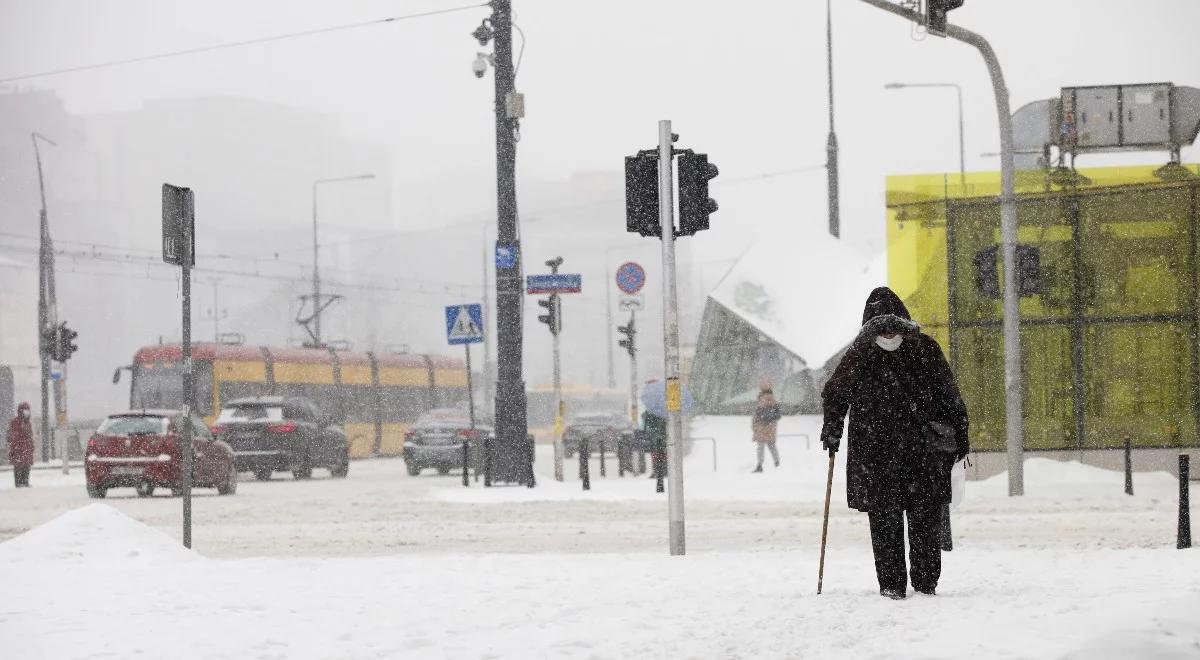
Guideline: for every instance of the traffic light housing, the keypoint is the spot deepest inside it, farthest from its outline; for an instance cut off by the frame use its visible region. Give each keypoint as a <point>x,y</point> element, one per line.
<point>65,343</point>
<point>694,203</point>
<point>641,195</point>
<point>628,343</point>
<point>49,341</point>
<point>935,14</point>
<point>553,316</point>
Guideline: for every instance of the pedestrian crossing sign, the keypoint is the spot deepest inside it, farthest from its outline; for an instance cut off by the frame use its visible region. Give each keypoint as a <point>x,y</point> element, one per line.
<point>464,324</point>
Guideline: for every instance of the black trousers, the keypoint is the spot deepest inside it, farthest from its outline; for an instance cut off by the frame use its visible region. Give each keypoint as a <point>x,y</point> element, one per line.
<point>924,553</point>
<point>20,476</point>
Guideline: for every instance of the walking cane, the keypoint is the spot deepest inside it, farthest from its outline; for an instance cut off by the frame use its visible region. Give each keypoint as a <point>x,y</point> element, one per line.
<point>825,523</point>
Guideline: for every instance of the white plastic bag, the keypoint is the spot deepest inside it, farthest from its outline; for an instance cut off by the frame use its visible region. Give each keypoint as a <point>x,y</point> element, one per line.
<point>958,483</point>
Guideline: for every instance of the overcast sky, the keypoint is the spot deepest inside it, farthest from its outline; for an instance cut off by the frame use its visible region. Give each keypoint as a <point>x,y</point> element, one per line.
<point>743,81</point>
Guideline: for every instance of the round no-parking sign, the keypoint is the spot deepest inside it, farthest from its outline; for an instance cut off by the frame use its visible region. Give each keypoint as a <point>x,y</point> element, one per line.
<point>631,277</point>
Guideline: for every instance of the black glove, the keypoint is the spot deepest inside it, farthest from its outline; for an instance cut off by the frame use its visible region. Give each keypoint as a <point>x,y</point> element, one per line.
<point>830,443</point>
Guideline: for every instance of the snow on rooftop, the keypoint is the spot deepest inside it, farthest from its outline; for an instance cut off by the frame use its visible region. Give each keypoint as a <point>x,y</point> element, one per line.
<point>804,289</point>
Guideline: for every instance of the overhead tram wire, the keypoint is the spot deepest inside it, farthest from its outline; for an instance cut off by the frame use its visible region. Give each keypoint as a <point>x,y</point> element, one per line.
<point>238,44</point>
<point>608,201</point>
<point>440,288</point>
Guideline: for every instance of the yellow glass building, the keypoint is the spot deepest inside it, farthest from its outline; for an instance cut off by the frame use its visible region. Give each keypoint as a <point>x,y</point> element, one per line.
<point>1110,306</point>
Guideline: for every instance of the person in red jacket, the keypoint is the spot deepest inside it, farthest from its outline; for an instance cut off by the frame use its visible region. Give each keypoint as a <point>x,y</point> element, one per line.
<point>20,445</point>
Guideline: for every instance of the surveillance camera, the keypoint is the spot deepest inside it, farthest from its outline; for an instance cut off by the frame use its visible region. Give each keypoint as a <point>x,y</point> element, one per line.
<point>479,66</point>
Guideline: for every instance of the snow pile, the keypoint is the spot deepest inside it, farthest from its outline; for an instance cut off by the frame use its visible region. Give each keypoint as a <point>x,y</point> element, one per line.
<point>1045,477</point>
<point>96,533</point>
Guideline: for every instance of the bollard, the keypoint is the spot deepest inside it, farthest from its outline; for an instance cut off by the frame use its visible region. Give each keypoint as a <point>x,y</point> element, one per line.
<point>487,462</point>
<point>1185,522</point>
<point>603,468</point>
<point>466,465</point>
<point>1128,466</point>
<point>660,465</point>
<point>584,459</point>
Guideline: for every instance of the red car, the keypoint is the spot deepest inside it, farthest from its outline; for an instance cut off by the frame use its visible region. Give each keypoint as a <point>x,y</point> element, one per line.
<point>141,449</point>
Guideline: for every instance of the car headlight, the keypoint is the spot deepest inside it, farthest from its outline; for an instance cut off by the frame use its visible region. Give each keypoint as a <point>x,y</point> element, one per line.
<point>164,458</point>
<point>91,457</point>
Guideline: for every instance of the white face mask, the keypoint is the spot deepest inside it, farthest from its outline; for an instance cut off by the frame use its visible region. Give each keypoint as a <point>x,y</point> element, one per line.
<point>889,344</point>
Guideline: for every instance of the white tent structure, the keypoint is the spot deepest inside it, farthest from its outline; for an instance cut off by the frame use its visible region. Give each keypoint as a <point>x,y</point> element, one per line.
<point>787,308</point>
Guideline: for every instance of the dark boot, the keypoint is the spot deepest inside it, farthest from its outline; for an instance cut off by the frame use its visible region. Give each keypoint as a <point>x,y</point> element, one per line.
<point>894,594</point>
<point>757,469</point>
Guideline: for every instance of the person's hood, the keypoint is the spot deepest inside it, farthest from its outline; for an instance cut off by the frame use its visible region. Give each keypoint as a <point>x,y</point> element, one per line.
<point>884,301</point>
<point>24,406</point>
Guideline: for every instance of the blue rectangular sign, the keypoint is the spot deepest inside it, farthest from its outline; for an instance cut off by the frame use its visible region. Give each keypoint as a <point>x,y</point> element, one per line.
<point>561,283</point>
<point>464,324</point>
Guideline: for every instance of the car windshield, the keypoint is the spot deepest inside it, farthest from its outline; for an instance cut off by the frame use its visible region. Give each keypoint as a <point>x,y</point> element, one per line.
<point>443,416</point>
<point>133,425</point>
<point>599,420</point>
<point>251,413</point>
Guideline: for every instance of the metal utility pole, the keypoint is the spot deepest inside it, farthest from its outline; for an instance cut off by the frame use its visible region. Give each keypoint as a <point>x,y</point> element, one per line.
<point>1008,231</point>
<point>673,391</point>
<point>831,145</point>
<point>511,426</point>
<point>318,307</point>
<point>216,310</point>
<point>633,375</point>
<point>962,157</point>
<point>608,322</point>
<point>487,318</point>
<point>47,308</point>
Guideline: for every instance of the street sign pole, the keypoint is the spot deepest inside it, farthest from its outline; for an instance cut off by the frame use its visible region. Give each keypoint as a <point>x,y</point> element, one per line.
<point>179,248</point>
<point>470,387</point>
<point>666,217</point>
<point>633,378</point>
<point>558,404</point>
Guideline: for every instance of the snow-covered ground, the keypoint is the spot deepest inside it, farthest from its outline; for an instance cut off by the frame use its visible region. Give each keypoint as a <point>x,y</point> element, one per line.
<point>384,565</point>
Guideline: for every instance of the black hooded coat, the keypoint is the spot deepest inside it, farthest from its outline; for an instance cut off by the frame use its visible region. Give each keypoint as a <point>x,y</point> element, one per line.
<point>891,396</point>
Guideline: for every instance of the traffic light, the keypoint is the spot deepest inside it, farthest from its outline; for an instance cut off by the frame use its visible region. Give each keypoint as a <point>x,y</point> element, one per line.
<point>641,195</point>
<point>935,14</point>
<point>694,203</point>
<point>553,315</point>
<point>628,343</point>
<point>65,347</point>
<point>49,341</point>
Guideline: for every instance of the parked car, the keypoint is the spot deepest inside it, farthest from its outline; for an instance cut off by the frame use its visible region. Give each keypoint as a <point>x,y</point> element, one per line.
<point>141,449</point>
<point>596,427</point>
<point>273,433</point>
<point>435,440</point>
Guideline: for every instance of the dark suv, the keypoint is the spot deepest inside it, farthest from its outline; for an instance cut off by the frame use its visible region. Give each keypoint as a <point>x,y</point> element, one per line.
<point>270,433</point>
<point>435,440</point>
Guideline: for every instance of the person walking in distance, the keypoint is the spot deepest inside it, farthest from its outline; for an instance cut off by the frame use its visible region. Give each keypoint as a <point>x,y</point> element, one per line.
<point>20,445</point>
<point>765,425</point>
<point>908,426</point>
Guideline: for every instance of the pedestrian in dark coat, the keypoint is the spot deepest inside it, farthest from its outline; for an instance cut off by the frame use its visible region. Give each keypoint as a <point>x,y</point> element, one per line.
<point>20,445</point>
<point>765,425</point>
<point>655,428</point>
<point>908,425</point>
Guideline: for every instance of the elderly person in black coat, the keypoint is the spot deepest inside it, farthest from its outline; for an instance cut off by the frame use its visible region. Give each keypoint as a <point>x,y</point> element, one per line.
<point>908,426</point>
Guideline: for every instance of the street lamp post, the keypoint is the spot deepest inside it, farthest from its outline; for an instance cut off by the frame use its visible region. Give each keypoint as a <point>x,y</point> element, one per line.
<point>962,161</point>
<point>1013,405</point>
<point>46,302</point>
<point>316,290</point>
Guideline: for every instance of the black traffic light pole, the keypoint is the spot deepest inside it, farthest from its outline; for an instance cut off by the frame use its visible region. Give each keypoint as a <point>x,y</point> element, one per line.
<point>511,426</point>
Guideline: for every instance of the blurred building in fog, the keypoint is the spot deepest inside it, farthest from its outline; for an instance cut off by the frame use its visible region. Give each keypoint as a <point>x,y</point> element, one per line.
<point>785,311</point>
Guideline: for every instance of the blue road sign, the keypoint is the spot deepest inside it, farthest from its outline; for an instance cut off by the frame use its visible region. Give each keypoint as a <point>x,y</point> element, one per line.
<point>631,277</point>
<point>561,283</point>
<point>464,324</point>
<point>506,256</point>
